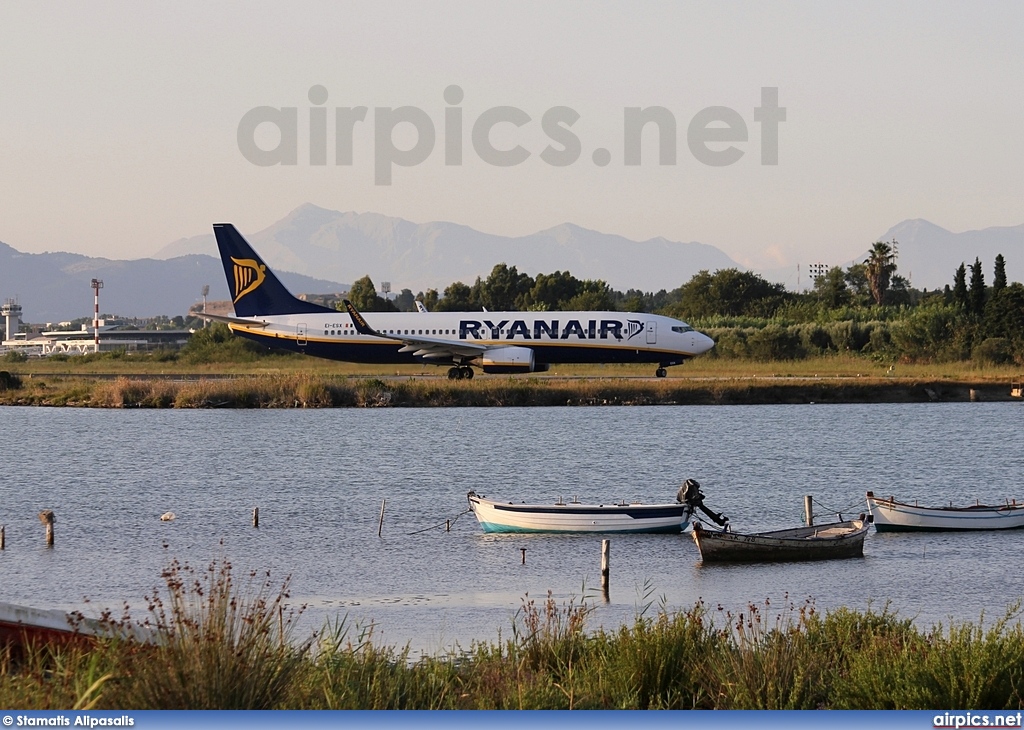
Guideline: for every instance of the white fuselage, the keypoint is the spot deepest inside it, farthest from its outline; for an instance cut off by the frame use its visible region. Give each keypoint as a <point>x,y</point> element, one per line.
<point>554,337</point>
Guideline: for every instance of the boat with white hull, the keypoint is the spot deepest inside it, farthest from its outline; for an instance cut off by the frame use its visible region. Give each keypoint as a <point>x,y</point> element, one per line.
<point>575,516</point>
<point>497,516</point>
<point>893,516</point>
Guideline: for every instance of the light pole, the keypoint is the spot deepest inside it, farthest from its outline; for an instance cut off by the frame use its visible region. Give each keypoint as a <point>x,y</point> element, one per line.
<point>206,290</point>
<point>97,284</point>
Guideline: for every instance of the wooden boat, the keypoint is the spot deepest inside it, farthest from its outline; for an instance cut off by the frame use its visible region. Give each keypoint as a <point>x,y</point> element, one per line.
<point>575,516</point>
<point>893,516</point>
<point>22,626</point>
<point>816,542</point>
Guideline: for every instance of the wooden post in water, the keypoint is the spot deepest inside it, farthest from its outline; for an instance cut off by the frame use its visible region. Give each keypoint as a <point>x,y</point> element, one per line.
<point>447,525</point>
<point>3,540</point>
<point>380,525</point>
<point>605,550</point>
<point>809,510</point>
<point>255,516</point>
<point>47,518</point>
<point>523,551</point>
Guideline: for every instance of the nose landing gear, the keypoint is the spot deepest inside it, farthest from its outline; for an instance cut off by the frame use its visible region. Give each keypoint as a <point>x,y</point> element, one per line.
<point>660,373</point>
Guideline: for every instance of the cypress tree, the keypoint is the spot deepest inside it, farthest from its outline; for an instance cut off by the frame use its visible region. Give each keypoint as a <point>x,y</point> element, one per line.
<point>976,298</point>
<point>960,286</point>
<point>999,279</point>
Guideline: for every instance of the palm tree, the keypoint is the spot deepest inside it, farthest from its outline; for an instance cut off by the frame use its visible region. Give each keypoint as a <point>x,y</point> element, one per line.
<point>881,265</point>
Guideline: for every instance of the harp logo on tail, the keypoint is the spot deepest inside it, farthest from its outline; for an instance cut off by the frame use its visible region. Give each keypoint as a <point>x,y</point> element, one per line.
<point>249,274</point>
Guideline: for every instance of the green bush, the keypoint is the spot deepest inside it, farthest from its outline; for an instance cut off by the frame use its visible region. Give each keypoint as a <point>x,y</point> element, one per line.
<point>994,351</point>
<point>775,343</point>
<point>217,344</point>
<point>814,338</point>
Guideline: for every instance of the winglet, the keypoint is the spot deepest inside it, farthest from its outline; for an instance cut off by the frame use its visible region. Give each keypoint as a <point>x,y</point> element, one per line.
<point>357,320</point>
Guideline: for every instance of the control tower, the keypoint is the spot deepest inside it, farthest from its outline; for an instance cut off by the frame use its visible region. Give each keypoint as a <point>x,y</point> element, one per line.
<point>11,312</point>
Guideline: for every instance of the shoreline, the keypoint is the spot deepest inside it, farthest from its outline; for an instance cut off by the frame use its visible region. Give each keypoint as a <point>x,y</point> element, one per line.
<point>333,391</point>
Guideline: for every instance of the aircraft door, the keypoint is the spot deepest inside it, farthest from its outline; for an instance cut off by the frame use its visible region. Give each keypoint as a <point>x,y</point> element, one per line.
<point>300,334</point>
<point>652,333</point>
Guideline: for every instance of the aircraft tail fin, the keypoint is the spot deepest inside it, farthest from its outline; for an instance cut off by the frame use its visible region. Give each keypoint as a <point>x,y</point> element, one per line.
<point>255,290</point>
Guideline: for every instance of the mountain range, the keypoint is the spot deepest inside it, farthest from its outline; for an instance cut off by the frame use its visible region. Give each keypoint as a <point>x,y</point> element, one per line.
<point>314,249</point>
<point>54,287</point>
<point>420,256</point>
<point>929,254</point>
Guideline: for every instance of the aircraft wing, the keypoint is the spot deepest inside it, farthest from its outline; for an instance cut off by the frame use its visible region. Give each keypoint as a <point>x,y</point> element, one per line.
<point>426,347</point>
<point>229,320</point>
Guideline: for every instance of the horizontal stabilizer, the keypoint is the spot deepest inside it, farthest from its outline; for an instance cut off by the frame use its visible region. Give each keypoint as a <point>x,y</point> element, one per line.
<point>229,320</point>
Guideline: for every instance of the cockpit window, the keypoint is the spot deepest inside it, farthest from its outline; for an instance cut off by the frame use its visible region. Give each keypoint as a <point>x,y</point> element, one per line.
<point>682,328</point>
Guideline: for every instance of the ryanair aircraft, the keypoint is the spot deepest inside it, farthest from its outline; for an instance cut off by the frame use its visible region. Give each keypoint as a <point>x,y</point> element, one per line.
<point>495,342</point>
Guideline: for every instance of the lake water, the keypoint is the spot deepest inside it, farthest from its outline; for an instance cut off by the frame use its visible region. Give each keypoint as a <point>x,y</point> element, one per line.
<point>319,476</point>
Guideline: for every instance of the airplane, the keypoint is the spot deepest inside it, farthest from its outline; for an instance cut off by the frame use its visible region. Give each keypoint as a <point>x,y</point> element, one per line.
<point>495,342</point>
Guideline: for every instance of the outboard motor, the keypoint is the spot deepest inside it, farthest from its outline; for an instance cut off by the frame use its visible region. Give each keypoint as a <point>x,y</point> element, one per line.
<point>691,495</point>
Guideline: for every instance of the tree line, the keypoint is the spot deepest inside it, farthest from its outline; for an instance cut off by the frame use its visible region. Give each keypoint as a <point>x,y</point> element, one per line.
<point>867,308</point>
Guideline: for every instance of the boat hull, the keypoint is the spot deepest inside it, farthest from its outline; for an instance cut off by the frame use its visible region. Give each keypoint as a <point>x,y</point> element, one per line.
<point>499,517</point>
<point>22,626</point>
<point>821,542</point>
<point>892,516</point>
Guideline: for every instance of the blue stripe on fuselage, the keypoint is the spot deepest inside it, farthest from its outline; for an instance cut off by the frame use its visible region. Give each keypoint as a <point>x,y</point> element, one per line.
<point>386,353</point>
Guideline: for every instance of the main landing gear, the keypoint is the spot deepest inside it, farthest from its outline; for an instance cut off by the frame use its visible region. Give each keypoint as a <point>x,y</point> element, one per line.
<point>460,373</point>
<point>660,373</point>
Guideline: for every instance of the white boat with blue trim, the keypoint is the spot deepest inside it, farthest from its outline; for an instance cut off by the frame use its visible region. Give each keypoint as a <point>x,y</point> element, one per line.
<point>892,516</point>
<point>575,516</point>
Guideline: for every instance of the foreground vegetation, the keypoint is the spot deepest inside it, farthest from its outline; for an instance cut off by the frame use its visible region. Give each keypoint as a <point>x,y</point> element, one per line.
<point>300,390</point>
<point>221,645</point>
<point>152,380</point>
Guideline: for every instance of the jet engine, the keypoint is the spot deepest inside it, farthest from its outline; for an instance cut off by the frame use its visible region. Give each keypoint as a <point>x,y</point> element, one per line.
<point>508,360</point>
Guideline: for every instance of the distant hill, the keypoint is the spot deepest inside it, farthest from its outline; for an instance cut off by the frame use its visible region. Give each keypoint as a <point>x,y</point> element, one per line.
<point>326,247</point>
<point>53,287</point>
<point>346,246</point>
<point>930,255</point>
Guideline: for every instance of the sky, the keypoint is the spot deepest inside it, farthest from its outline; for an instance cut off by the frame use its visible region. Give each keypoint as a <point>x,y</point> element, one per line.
<point>123,124</point>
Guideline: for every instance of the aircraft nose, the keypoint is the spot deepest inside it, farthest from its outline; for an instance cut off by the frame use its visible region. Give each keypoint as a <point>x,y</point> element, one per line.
<point>704,343</point>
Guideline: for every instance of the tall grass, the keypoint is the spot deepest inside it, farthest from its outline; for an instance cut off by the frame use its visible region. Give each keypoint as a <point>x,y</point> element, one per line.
<point>220,645</point>
<point>223,643</point>
<point>306,390</point>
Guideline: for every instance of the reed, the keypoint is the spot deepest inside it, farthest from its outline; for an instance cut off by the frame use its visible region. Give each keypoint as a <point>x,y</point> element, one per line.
<point>660,662</point>
<point>219,646</point>
<point>223,643</point>
<point>311,390</point>
<point>962,666</point>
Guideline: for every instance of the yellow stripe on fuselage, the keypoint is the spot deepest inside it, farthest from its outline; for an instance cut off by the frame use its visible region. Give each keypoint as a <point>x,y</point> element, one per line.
<point>347,340</point>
